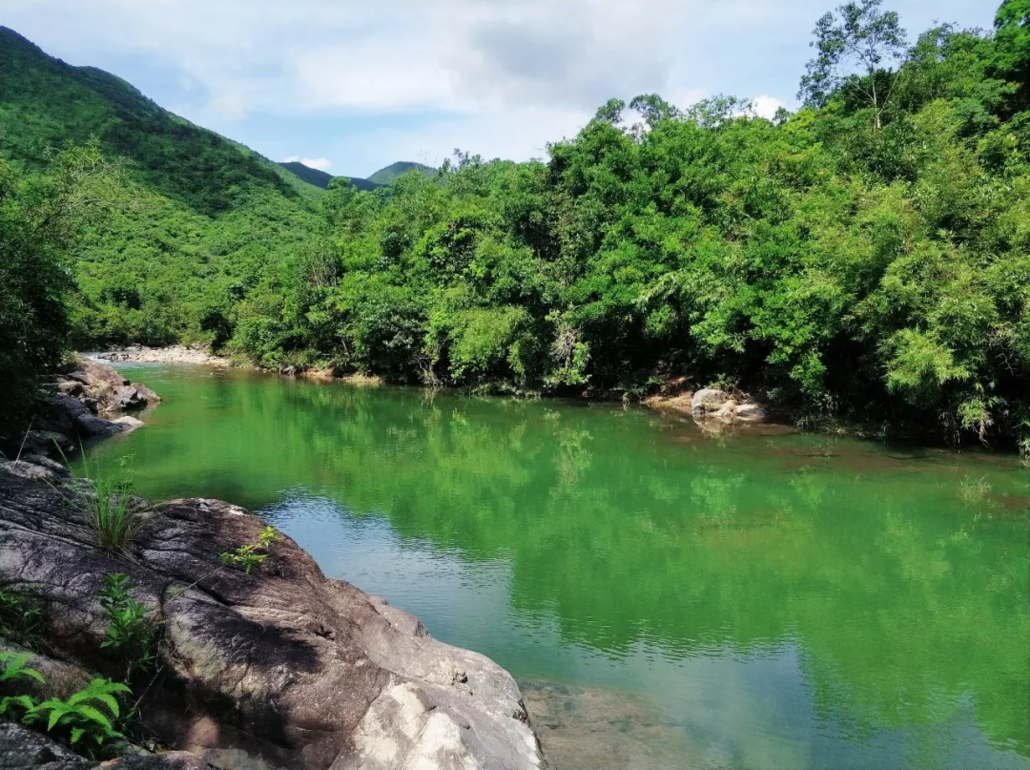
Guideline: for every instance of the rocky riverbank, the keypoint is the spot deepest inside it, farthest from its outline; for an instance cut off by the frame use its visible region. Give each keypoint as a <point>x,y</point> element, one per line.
<point>89,401</point>
<point>711,408</point>
<point>175,354</point>
<point>278,667</point>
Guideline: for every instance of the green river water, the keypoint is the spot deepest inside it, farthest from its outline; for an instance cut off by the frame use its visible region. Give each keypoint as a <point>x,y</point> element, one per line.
<point>665,599</point>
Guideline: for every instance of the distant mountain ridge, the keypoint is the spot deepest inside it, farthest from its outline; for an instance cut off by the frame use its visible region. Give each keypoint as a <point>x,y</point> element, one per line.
<point>394,170</point>
<point>381,178</point>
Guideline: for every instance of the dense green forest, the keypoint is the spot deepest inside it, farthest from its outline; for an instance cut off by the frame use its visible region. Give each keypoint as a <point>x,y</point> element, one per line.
<point>866,256</point>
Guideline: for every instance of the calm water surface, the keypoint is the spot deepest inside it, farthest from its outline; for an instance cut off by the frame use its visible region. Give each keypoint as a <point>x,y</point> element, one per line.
<point>665,599</point>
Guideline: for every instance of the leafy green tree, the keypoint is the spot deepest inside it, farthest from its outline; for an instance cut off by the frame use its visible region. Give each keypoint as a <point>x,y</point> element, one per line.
<point>41,219</point>
<point>864,39</point>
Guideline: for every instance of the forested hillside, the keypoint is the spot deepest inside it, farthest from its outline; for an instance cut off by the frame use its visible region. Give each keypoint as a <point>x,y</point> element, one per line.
<point>386,175</point>
<point>194,218</point>
<point>866,256</point>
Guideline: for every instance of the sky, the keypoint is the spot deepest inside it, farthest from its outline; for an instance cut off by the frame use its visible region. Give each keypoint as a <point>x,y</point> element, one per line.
<point>350,86</point>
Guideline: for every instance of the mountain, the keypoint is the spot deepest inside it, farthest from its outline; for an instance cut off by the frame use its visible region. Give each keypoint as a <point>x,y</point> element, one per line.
<point>308,174</point>
<point>321,179</point>
<point>394,170</point>
<point>45,102</point>
<point>381,178</point>
<point>197,218</point>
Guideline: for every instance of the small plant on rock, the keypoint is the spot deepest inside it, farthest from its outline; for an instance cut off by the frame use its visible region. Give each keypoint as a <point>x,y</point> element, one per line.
<point>89,716</point>
<point>246,557</point>
<point>114,516</point>
<point>131,631</point>
<point>82,716</point>
<point>22,617</point>
<point>14,668</point>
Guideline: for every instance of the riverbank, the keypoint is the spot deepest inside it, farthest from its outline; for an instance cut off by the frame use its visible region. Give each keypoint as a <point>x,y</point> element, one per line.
<point>87,401</point>
<point>270,663</point>
<point>174,354</point>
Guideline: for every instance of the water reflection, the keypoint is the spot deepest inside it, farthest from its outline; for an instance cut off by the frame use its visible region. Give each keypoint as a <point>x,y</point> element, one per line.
<point>762,601</point>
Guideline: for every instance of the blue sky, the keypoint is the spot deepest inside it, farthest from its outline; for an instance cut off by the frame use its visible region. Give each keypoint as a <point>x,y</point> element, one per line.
<point>352,85</point>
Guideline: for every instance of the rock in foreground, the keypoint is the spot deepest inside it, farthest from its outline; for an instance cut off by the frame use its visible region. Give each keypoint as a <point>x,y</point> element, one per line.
<point>283,665</point>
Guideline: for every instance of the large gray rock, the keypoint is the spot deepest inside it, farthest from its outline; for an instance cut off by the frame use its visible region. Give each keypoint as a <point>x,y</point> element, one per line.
<point>282,666</point>
<point>112,391</point>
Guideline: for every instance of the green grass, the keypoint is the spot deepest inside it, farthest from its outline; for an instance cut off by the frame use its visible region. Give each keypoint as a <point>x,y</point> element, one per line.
<point>114,516</point>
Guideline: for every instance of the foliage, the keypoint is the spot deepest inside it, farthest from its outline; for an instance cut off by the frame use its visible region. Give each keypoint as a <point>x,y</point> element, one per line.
<point>251,555</point>
<point>863,38</point>
<point>22,616</point>
<point>15,667</point>
<point>88,718</point>
<point>113,515</point>
<point>41,218</point>
<point>131,633</point>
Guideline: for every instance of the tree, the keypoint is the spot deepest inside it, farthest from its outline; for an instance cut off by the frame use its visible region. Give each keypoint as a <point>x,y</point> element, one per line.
<point>862,39</point>
<point>40,217</point>
<point>1012,35</point>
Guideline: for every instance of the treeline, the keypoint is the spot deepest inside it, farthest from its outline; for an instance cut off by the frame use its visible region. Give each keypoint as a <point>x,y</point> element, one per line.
<point>867,256</point>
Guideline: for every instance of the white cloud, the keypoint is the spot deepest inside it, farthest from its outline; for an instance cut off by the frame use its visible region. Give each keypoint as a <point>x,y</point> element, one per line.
<point>322,164</point>
<point>766,106</point>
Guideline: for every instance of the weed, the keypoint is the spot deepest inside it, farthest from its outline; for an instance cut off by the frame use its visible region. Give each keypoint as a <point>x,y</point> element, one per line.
<point>22,617</point>
<point>246,557</point>
<point>131,632</point>
<point>114,517</point>
<point>15,668</point>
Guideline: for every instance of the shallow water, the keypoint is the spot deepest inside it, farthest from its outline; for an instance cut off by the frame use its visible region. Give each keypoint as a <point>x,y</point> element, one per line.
<point>666,599</point>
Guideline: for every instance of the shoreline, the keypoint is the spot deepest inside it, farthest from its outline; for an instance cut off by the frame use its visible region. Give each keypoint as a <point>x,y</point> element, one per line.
<point>173,354</point>
<point>720,414</point>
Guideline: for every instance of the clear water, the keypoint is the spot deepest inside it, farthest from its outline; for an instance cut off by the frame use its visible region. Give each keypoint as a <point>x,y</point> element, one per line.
<point>666,599</point>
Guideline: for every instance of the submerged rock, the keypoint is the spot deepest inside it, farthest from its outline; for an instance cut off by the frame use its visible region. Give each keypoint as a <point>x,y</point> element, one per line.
<point>282,666</point>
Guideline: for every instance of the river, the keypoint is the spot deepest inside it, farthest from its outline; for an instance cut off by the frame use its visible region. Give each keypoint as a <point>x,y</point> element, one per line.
<point>666,599</point>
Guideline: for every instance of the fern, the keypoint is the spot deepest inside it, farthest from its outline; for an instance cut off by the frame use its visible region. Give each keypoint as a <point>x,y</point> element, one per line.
<point>131,632</point>
<point>15,668</point>
<point>83,715</point>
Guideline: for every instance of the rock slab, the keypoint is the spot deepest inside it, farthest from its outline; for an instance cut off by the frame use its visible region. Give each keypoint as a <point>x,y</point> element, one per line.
<point>280,668</point>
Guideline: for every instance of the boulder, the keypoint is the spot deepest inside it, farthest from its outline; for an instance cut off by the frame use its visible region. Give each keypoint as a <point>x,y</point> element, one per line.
<point>128,423</point>
<point>91,425</point>
<point>113,392</point>
<point>709,401</point>
<point>45,442</point>
<point>282,666</point>
<point>71,387</point>
<point>751,412</point>
<point>714,404</point>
